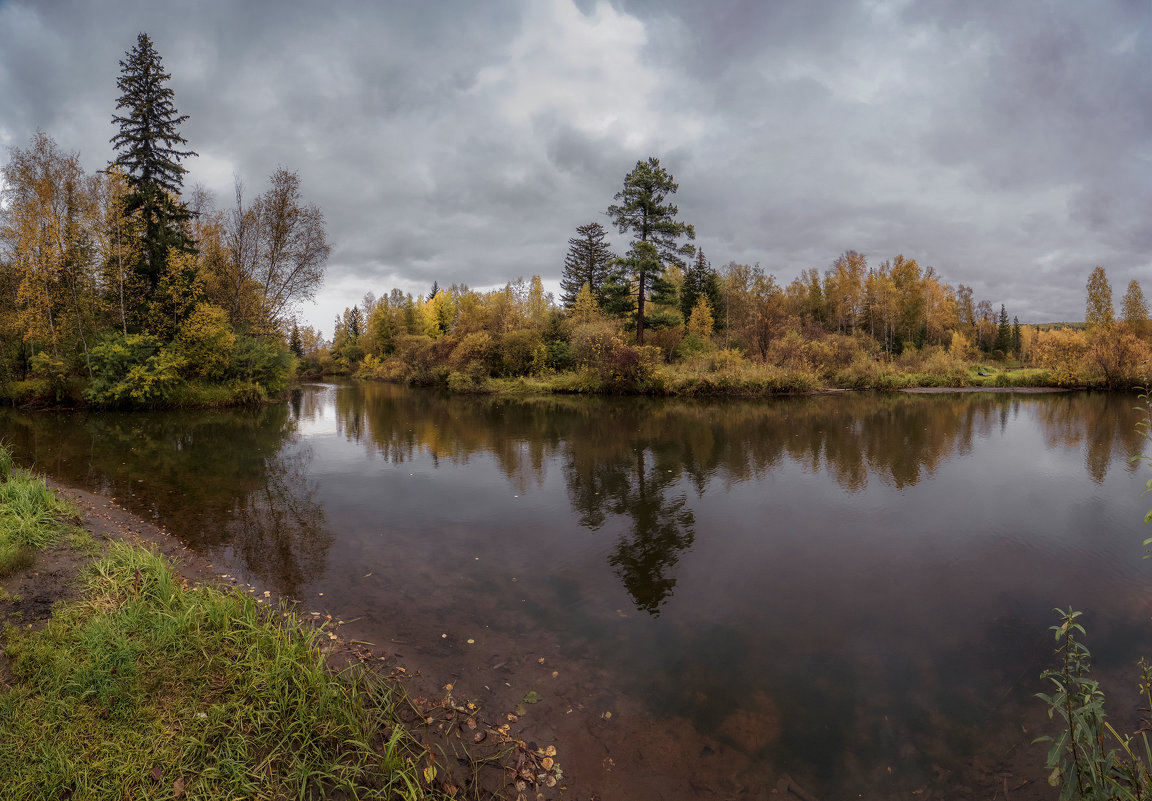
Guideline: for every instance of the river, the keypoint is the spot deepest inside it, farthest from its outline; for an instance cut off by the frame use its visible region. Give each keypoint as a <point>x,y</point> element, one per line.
<point>853,590</point>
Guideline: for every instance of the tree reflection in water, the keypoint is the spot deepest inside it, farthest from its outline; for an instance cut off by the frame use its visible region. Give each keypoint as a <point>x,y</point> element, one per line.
<point>231,479</point>
<point>661,526</point>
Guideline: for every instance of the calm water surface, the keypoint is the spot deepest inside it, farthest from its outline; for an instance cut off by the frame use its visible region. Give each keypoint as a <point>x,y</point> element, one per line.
<point>852,590</point>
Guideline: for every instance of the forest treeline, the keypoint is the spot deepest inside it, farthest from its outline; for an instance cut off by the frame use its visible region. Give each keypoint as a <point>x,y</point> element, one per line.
<point>661,319</point>
<point>119,289</point>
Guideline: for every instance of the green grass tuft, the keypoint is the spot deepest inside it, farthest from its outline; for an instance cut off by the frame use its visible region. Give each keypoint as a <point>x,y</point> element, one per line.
<point>145,677</point>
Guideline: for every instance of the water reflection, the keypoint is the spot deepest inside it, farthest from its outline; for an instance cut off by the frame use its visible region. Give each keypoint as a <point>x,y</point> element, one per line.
<point>1099,424</point>
<point>236,480</point>
<point>661,526</point>
<point>851,587</point>
<point>639,459</point>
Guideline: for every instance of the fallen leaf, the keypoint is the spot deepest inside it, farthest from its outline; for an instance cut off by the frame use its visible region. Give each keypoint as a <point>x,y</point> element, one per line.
<point>532,697</point>
<point>547,763</point>
<point>178,787</point>
<point>157,774</point>
<point>550,751</point>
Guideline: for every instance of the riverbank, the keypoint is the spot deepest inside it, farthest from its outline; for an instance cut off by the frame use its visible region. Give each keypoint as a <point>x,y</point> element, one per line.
<point>739,380</point>
<point>121,676</point>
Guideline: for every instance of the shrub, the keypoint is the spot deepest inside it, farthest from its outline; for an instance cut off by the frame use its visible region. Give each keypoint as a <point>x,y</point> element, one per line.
<point>559,357</point>
<point>264,362</point>
<point>669,340</point>
<point>1062,352</point>
<point>522,352</point>
<point>477,349</point>
<point>473,377</point>
<point>692,345</point>
<point>593,342</point>
<point>629,367</point>
<point>206,340</point>
<point>1118,356</point>
<point>132,370</point>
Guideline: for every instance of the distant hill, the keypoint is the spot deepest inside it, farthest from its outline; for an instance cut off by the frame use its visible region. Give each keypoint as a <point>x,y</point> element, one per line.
<point>1049,326</point>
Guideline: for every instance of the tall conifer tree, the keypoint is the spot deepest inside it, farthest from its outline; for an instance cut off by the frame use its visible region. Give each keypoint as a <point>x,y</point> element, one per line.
<point>148,145</point>
<point>588,261</point>
<point>644,210</point>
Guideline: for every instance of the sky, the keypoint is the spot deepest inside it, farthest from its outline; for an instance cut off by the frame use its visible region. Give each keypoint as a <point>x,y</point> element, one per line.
<point>1006,144</point>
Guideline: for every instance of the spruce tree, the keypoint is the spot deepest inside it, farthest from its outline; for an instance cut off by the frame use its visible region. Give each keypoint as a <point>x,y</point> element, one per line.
<point>1003,332</point>
<point>700,280</point>
<point>294,343</point>
<point>588,261</point>
<point>645,211</point>
<point>148,150</point>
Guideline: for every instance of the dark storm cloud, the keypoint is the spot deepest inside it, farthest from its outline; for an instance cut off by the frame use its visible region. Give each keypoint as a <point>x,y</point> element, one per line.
<point>1006,144</point>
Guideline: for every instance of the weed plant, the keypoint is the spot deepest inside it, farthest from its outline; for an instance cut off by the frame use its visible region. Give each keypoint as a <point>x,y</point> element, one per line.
<point>1088,759</point>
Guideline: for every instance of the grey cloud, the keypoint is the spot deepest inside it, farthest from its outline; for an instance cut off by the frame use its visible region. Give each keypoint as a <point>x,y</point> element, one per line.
<point>1006,146</point>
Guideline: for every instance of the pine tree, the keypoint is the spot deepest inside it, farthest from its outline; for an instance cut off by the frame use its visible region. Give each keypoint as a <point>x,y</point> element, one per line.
<point>1017,337</point>
<point>148,143</point>
<point>645,212</point>
<point>588,261</point>
<point>294,343</point>
<point>700,280</point>
<point>1003,332</point>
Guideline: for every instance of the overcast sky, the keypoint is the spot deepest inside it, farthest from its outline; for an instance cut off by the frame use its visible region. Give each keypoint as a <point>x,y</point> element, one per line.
<point>1007,144</point>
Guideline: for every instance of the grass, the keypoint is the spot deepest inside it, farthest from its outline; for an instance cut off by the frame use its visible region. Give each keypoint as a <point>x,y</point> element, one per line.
<point>148,688</point>
<point>31,516</point>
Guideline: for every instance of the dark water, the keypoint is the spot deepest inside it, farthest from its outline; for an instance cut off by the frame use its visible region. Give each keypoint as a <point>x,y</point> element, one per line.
<point>854,590</point>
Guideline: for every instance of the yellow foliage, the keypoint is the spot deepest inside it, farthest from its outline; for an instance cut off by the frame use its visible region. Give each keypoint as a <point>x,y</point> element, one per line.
<point>700,322</point>
<point>585,309</point>
<point>961,346</point>
<point>206,340</point>
<point>1061,351</point>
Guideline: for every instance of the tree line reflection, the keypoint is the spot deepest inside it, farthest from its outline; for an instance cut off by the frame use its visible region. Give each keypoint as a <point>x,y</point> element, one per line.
<point>233,480</point>
<point>240,480</point>
<point>639,460</point>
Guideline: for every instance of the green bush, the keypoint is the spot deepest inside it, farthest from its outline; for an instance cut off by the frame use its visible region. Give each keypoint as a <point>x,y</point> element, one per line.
<point>132,370</point>
<point>692,345</point>
<point>559,357</point>
<point>32,390</point>
<point>263,362</point>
